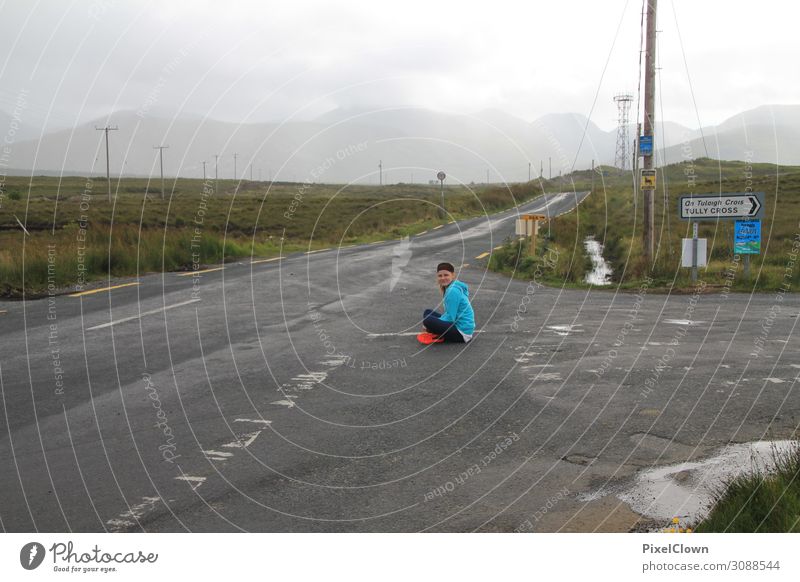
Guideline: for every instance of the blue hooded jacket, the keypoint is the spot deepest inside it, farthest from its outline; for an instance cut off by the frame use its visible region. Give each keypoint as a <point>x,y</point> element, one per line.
<point>457,307</point>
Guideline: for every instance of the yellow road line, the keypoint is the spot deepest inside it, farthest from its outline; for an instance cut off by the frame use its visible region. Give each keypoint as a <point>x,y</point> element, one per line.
<point>465,265</point>
<point>92,291</point>
<point>421,233</point>
<point>437,227</point>
<point>480,256</point>
<point>265,260</point>
<point>317,251</point>
<point>190,273</point>
<point>498,248</point>
<point>451,222</point>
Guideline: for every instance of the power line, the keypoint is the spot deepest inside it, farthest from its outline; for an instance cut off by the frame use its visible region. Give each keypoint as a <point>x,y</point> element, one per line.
<point>689,78</point>
<point>161,158</point>
<point>648,226</point>
<point>106,129</point>
<point>216,173</point>
<point>599,85</point>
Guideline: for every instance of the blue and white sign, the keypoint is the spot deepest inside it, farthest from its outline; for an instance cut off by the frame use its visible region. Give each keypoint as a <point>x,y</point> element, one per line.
<point>645,145</point>
<point>747,237</point>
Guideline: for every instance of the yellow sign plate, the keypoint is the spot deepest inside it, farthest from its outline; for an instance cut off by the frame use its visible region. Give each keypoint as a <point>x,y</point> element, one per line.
<point>648,181</point>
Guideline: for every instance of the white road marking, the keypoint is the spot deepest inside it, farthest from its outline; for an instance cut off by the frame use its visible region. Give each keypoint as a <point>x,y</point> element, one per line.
<point>775,380</point>
<point>194,481</point>
<point>217,455</point>
<point>546,376</point>
<point>564,329</point>
<point>130,517</point>
<point>437,227</point>
<point>244,441</point>
<point>682,321</point>
<point>317,251</point>
<point>256,420</point>
<point>331,362</point>
<point>286,403</point>
<point>151,312</point>
<point>403,333</point>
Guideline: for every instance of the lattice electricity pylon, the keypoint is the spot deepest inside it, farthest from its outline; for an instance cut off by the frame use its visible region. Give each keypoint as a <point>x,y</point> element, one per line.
<point>622,153</point>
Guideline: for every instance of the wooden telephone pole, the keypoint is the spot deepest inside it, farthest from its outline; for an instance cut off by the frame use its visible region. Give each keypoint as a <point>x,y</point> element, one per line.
<point>106,129</point>
<point>648,229</point>
<point>161,164</point>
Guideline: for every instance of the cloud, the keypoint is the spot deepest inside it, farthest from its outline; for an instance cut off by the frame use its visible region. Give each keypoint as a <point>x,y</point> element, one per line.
<point>269,61</point>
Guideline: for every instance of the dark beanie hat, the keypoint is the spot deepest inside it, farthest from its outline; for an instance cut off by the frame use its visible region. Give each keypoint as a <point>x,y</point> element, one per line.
<point>445,267</point>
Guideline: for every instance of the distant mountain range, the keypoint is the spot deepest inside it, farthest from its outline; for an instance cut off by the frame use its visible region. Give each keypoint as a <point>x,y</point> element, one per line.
<point>346,145</point>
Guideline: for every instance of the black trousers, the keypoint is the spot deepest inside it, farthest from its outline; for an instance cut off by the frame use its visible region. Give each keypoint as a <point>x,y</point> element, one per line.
<point>444,329</point>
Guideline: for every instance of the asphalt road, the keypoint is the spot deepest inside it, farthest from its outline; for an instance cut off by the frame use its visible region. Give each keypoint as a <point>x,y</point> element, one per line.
<point>291,395</point>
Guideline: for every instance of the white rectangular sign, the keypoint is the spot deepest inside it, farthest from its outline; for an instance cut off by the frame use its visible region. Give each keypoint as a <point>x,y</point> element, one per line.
<point>725,206</point>
<point>686,255</point>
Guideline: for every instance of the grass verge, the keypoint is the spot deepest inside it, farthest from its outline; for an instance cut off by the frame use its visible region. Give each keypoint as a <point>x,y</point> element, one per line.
<point>759,502</point>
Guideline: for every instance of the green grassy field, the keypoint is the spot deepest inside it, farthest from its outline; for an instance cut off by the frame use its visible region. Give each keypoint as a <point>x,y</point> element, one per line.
<point>73,228</point>
<point>610,216</point>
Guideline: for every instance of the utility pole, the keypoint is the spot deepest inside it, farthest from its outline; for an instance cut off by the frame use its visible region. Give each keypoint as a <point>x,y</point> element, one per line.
<point>592,175</point>
<point>541,169</point>
<point>529,171</point>
<point>216,173</point>
<point>161,158</point>
<point>648,229</point>
<point>380,172</point>
<point>204,172</point>
<point>106,129</point>
<point>550,161</point>
<point>234,165</point>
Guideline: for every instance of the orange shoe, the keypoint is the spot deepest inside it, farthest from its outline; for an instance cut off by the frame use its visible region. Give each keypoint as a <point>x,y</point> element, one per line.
<point>429,338</point>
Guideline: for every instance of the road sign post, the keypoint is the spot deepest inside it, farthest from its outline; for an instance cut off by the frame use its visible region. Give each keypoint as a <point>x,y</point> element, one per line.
<point>528,225</point>
<point>694,252</point>
<point>441,176</point>
<point>747,208</point>
<point>747,241</point>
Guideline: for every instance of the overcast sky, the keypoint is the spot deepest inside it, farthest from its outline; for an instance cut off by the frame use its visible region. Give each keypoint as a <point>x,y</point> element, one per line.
<point>260,61</point>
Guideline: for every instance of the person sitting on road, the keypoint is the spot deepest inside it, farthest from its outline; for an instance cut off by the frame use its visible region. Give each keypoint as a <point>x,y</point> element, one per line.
<point>458,322</point>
